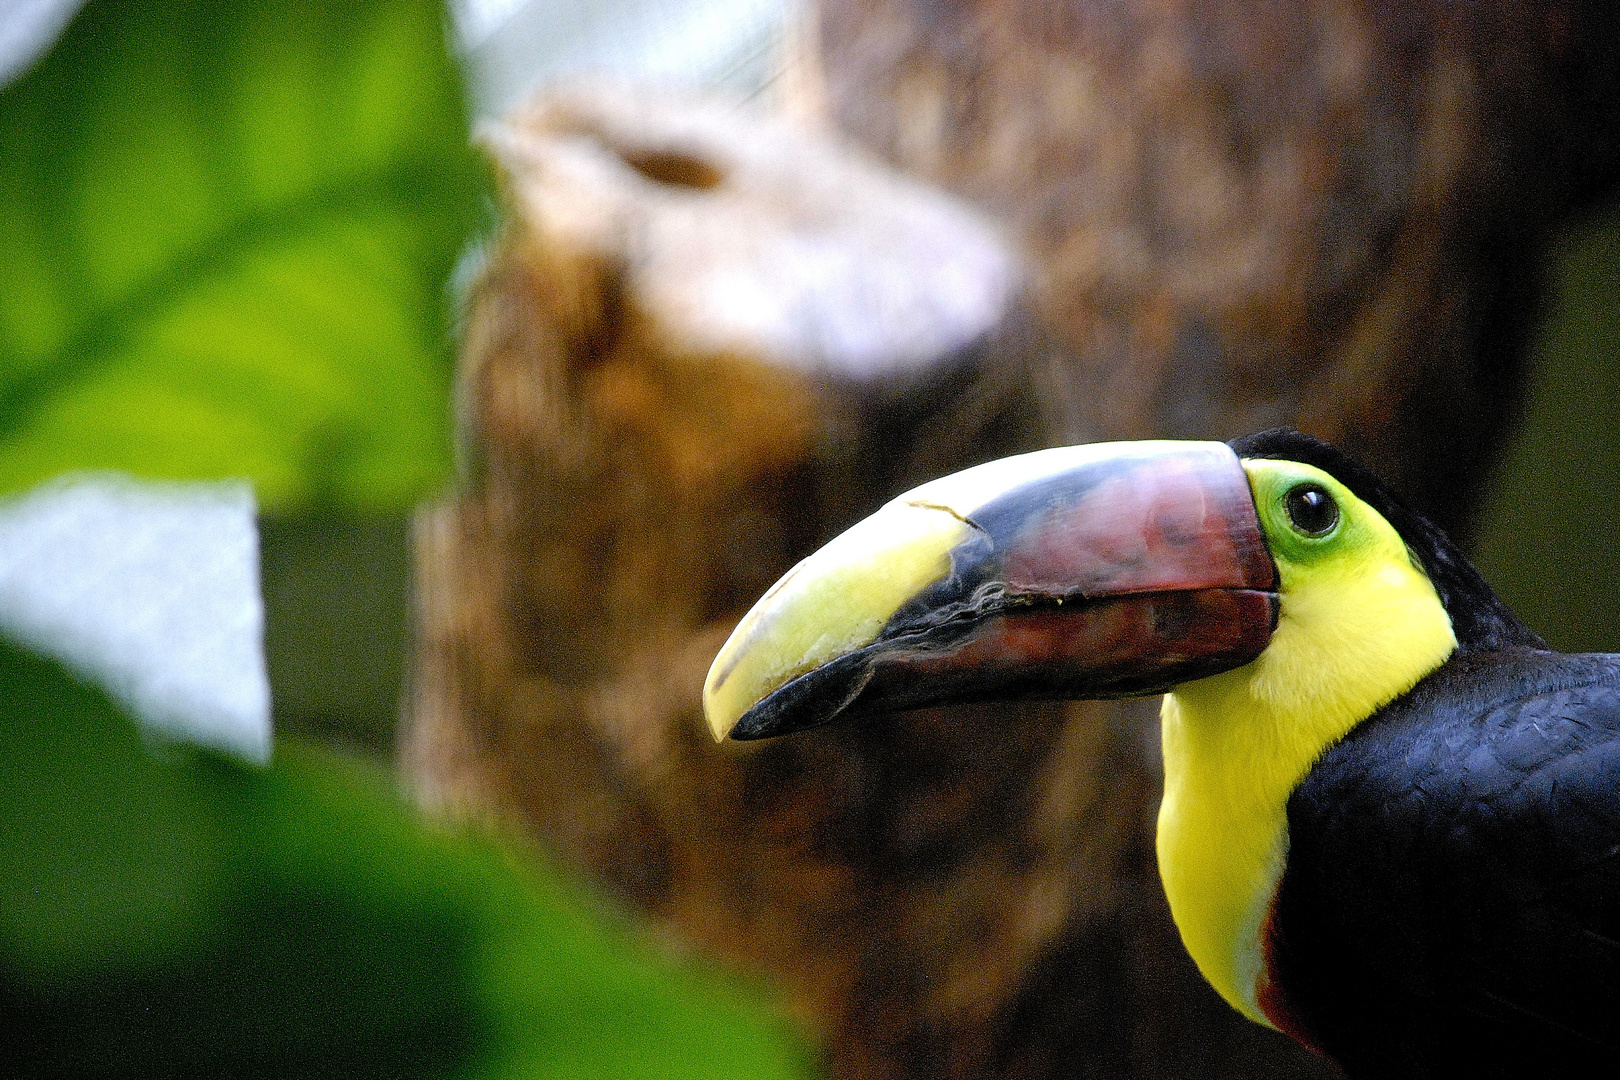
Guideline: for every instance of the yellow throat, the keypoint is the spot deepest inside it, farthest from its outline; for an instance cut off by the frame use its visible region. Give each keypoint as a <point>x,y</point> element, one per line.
<point>1358,625</point>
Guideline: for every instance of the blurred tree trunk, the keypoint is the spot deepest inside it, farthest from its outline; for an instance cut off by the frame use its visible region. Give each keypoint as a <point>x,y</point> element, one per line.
<point>705,343</point>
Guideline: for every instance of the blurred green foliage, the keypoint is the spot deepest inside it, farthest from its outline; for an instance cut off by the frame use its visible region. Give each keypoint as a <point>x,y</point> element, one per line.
<point>181,914</point>
<point>225,232</point>
<point>228,228</point>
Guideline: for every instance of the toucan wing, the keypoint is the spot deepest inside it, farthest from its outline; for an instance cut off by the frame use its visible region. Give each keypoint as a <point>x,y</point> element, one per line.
<point>1454,876</point>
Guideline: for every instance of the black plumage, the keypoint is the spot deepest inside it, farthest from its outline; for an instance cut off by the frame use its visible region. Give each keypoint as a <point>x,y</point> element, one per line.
<point>1451,904</point>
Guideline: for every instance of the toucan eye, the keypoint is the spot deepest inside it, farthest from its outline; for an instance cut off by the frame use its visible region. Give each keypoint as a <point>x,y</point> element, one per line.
<point>1312,510</point>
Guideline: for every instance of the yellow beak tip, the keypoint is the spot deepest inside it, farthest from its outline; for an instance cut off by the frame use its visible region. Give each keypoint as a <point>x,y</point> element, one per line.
<point>719,728</point>
<point>720,715</point>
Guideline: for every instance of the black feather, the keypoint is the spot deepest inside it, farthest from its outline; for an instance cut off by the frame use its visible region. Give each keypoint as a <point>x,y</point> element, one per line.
<point>1451,903</point>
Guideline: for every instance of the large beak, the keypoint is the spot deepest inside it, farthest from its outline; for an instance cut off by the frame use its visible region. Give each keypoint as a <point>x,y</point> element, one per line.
<point>1101,571</point>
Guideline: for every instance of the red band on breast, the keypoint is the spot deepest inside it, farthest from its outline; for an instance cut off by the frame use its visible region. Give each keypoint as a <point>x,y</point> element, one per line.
<point>1269,993</point>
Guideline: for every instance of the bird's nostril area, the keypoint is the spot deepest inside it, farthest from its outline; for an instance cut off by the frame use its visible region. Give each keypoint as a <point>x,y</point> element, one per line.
<point>674,168</point>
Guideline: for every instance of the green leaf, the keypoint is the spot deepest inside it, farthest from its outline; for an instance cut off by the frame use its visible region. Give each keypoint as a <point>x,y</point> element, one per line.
<point>181,914</point>
<point>103,858</point>
<point>228,229</point>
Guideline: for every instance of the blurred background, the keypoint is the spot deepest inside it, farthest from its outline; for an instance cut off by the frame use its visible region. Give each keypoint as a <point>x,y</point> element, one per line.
<point>229,247</point>
<point>237,245</point>
<point>336,590</point>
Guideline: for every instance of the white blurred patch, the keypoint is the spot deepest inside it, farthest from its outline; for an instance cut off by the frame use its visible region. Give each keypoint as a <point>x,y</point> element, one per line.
<point>27,29</point>
<point>150,590</point>
<point>513,46</point>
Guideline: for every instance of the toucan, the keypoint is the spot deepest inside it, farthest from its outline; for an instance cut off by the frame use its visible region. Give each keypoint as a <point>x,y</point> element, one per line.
<point>1391,816</point>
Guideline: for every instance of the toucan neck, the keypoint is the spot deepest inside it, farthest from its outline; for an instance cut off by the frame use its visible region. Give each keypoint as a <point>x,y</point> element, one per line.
<point>1236,745</point>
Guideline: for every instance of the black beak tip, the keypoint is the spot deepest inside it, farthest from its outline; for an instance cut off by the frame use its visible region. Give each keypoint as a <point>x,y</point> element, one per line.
<point>808,701</point>
<point>757,723</point>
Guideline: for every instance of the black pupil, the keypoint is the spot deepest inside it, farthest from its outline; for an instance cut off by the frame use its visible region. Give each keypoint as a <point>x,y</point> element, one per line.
<point>1312,509</point>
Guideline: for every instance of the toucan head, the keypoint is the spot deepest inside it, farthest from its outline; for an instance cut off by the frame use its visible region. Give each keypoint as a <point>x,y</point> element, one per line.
<point>1097,571</point>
